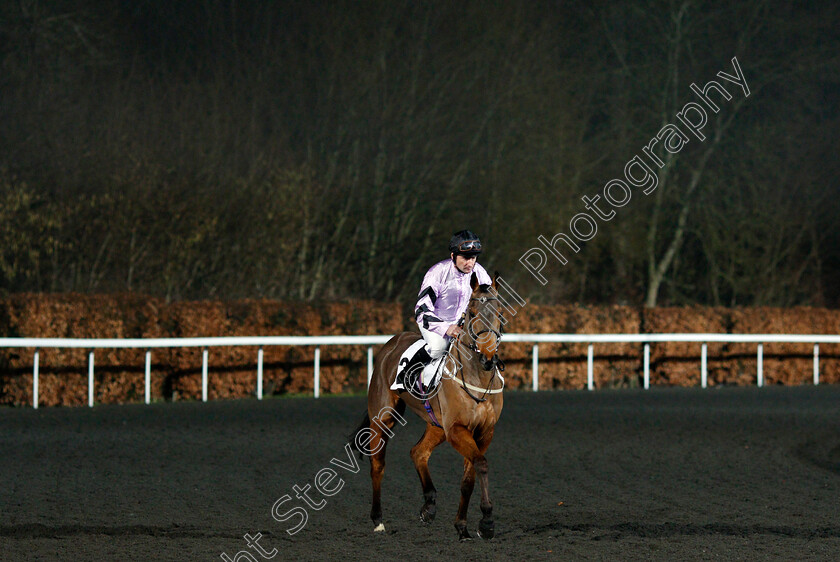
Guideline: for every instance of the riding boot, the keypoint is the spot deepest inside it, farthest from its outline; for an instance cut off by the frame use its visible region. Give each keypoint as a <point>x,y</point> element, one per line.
<point>429,372</point>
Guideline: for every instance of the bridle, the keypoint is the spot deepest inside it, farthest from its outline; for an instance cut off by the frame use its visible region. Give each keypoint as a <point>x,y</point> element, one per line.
<point>473,346</point>
<point>487,365</point>
<point>474,336</point>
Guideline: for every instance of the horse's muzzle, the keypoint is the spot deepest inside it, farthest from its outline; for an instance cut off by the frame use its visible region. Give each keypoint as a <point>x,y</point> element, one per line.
<point>489,364</point>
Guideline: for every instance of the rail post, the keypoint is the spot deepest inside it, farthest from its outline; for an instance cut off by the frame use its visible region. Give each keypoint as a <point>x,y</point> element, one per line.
<point>590,367</point>
<point>535,368</point>
<point>260,373</point>
<point>317,386</point>
<point>816,364</point>
<point>35,380</point>
<point>204,355</point>
<point>760,366</point>
<point>148,377</point>
<point>90,379</point>
<point>369,364</point>
<point>704,373</point>
<point>647,366</point>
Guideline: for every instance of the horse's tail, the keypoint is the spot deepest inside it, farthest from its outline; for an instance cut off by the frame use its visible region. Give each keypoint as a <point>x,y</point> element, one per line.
<point>353,443</point>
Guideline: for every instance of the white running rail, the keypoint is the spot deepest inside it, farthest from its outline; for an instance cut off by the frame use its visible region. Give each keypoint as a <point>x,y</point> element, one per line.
<point>262,341</point>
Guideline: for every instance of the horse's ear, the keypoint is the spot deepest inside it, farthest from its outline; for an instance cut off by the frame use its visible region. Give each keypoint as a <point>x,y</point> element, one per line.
<point>474,281</point>
<point>495,276</point>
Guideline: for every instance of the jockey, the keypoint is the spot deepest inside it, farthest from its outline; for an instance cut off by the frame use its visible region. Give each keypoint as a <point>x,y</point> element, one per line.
<point>445,294</point>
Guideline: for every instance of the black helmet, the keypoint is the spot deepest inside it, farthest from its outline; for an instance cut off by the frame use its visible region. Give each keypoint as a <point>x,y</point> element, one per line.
<point>465,243</point>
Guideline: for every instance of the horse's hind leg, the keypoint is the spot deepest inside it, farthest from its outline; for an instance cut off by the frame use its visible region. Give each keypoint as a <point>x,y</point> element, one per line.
<point>420,454</point>
<point>378,443</point>
<point>381,425</point>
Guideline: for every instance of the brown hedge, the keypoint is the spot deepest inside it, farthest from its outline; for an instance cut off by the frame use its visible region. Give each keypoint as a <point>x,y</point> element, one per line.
<point>563,365</point>
<point>176,372</point>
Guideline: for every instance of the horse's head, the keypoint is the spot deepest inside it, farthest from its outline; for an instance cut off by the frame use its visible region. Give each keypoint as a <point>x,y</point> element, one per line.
<point>484,321</point>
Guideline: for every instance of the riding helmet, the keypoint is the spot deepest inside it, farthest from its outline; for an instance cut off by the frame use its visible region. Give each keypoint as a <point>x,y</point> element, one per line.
<point>465,243</point>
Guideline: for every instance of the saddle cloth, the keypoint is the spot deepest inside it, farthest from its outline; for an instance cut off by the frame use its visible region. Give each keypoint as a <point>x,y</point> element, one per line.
<point>411,366</point>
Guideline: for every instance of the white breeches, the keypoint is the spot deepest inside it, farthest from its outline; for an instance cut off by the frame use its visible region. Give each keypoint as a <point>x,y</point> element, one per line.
<point>437,348</point>
<point>437,344</point>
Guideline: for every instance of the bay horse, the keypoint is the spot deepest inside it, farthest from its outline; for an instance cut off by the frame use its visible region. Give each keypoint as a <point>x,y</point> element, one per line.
<point>465,406</point>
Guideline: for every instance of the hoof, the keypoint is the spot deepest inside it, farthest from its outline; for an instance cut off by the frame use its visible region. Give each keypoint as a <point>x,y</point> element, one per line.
<point>379,528</point>
<point>427,513</point>
<point>463,534</point>
<point>486,530</point>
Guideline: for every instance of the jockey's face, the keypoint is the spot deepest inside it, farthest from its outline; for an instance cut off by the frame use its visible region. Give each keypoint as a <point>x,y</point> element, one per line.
<point>463,263</point>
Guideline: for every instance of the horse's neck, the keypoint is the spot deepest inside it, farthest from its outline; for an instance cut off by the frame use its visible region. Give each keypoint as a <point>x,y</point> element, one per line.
<point>471,363</point>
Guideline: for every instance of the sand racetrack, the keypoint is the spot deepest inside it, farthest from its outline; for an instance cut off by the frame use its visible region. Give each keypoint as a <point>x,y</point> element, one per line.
<point>664,474</point>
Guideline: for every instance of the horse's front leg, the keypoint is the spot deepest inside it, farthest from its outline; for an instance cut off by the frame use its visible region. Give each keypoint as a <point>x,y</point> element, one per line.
<point>475,465</point>
<point>486,527</point>
<point>467,485</point>
<point>420,454</point>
